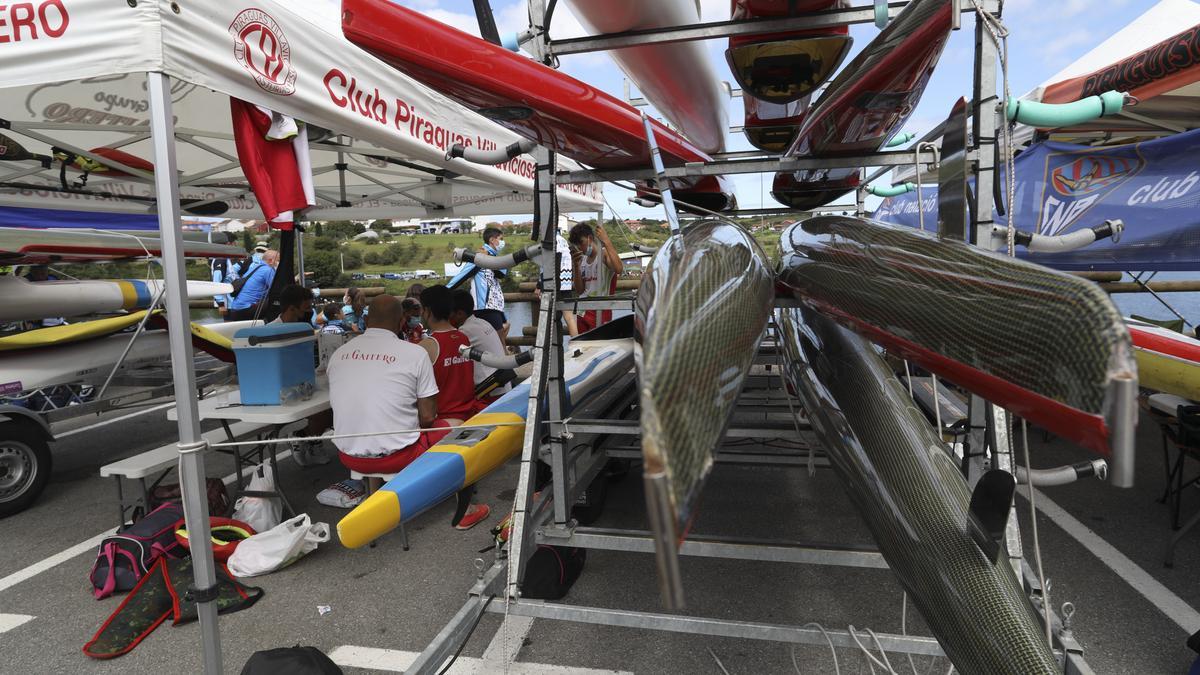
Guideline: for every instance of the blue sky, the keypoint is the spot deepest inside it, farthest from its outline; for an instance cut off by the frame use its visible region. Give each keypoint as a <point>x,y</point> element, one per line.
<point>1045,37</point>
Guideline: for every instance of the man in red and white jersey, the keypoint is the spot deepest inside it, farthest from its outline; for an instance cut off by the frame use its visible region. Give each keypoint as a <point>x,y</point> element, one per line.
<point>454,372</point>
<point>596,266</point>
<point>455,376</point>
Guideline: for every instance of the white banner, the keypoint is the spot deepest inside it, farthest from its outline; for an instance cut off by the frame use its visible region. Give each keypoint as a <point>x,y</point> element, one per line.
<point>292,60</point>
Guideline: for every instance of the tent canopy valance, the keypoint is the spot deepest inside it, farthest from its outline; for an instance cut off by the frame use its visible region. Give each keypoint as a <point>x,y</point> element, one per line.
<point>73,79</point>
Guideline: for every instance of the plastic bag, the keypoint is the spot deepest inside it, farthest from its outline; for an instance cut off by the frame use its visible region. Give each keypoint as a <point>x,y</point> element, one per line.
<point>261,513</point>
<point>278,547</point>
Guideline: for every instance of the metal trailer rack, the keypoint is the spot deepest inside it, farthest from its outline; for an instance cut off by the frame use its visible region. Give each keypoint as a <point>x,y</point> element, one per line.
<point>547,518</point>
<point>27,432</point>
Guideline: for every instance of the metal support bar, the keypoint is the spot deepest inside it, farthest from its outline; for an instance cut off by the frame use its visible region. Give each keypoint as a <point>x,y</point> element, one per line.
<point>739,166</point>
<point>545,228</point>
<point>715,627</point>
<point>984,128</point>
<point>458,630</point>
<point>733,548</point>
<point>718,29</point>
<point>191,467</point>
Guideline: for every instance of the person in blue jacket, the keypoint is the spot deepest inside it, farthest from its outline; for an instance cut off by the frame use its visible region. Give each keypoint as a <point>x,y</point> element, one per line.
<point>244,303</point>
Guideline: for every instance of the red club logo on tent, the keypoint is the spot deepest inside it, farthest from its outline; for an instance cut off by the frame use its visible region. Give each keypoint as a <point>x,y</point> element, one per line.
<point>263,50</point>
<point>1088,174</point>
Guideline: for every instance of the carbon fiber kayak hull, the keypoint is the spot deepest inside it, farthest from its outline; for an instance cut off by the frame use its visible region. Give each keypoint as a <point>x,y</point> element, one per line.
<point>701,309</point>
<point>914,499</point>
<point>1048,346</point>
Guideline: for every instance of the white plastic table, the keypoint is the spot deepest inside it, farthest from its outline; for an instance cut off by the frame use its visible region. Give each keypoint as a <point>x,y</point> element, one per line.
<point>227,407</point>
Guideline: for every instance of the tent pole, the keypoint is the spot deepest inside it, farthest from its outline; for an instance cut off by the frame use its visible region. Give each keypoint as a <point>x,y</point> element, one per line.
<point>300,254</point>
<point>191,468</point>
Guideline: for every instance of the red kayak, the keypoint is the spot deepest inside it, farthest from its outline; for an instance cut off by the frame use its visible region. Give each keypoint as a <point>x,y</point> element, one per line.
<point>772,127</point>
<point>784,67</point>
<point>868,102</point>
<point>537,102</point>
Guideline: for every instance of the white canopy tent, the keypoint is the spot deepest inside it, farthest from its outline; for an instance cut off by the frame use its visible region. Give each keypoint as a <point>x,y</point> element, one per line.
<point>1156,58</point>
<point>153,77</point>
<point>74,79</point>
<point>1135,59</point>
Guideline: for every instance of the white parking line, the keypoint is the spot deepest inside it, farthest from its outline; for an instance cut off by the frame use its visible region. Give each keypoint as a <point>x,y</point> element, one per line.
<point>395,661</point>
<point>105,423</point>
<point>507,641</point>
<point>11,621</point>
<point>92,543</point>
<point>1160,596</point>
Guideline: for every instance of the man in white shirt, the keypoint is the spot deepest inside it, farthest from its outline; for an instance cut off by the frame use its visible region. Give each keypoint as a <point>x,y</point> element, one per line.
<point>378,382</point>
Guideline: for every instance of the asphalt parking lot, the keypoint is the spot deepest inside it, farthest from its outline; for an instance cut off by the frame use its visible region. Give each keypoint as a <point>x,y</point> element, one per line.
<point>1102,549</point>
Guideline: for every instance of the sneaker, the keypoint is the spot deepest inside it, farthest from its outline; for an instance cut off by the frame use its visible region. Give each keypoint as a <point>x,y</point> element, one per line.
<point>310,453</point>
<point>474,516</point>
<point>344,494</point>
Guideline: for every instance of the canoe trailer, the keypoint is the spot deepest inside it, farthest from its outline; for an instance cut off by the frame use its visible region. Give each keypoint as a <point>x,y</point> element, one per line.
<point>547,519</point>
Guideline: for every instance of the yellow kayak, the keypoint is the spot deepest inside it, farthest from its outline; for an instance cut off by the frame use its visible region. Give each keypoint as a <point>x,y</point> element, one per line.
<point>74,332</point>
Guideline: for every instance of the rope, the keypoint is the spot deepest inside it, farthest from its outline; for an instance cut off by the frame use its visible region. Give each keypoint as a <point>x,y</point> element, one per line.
<point>999,35</point>
<point>1037,548</point>
<point>837,669</point>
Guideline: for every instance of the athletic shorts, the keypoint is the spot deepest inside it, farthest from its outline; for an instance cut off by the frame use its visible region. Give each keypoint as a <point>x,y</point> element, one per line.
<point>494,317</point>
<point>396,461</point>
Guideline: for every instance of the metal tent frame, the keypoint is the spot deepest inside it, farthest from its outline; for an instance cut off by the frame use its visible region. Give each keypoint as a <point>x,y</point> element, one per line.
<point>547,519</point>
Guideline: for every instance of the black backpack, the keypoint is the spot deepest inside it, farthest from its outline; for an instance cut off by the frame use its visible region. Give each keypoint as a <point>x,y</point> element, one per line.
<point>240,282</point>
<point>125,557</point>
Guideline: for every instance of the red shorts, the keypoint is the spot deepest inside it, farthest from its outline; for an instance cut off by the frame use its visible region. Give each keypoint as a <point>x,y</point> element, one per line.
<point>396,461</point>
<point>592,318</point>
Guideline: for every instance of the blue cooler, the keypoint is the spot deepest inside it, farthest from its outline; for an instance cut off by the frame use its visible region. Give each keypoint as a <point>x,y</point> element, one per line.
<point>275,363</point>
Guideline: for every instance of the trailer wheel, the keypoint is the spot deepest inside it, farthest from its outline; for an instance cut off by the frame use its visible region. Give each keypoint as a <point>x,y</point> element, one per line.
<point>24,467</point>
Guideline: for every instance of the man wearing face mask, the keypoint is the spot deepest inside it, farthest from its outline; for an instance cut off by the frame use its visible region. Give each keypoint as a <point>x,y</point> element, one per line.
<point>485,287</point>
<point>596,266</point>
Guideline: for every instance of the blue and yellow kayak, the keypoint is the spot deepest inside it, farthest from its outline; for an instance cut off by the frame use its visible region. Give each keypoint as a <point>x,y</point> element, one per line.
<point>25,300</point>
<point>467,455</point>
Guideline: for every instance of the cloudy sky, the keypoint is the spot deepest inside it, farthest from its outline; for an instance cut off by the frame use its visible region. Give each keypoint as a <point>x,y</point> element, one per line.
<point>1046,36</point>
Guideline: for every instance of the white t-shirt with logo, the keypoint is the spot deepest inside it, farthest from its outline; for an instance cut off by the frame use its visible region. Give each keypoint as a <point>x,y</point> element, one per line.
<point>374,383</point>
<point>597,278</point>
<point>482,336</point>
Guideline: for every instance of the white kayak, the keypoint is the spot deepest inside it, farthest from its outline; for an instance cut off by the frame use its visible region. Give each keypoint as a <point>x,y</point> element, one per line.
<point>90,361</point>
<point>677,77</point>
<point>23,300</point>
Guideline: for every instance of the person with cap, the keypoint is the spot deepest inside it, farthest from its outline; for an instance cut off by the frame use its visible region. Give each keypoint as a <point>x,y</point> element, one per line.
<point>253,289</point>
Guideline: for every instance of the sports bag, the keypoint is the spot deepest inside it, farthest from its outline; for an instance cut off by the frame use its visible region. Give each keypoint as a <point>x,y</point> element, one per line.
<point>240,282</point>
<point>292,660</point>
<point>552,571</point>
<point>125,557</point>
<point>215,492</point>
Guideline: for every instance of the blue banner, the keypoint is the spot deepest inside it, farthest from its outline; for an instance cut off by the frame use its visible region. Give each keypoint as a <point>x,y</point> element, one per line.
<point>13,216</point>
<point>1153,186</point>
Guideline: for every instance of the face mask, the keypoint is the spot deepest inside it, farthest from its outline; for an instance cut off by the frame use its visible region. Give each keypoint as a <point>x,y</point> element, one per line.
<point>414,322</point>
<point>500,246</point>
<point>590,250</point>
